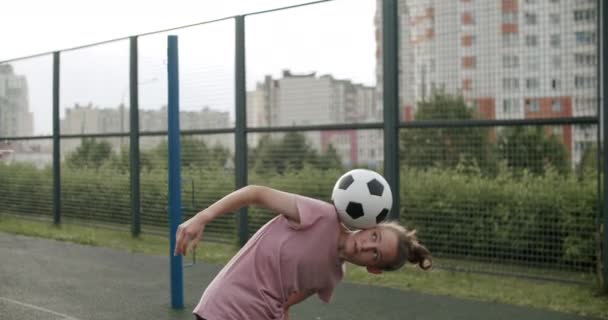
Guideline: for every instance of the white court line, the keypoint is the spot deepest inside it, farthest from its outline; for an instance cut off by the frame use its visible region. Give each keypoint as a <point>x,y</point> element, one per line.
<point>65,316</point>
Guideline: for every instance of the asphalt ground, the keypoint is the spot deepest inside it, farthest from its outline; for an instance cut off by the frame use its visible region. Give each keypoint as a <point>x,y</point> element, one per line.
<point>47,279</point>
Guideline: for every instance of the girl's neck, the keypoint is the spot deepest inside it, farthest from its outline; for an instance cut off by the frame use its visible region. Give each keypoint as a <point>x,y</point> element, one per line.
<point>344,234</point>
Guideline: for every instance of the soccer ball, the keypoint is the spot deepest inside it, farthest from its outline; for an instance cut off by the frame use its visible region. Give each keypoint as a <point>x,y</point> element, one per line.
<point>362,198</point>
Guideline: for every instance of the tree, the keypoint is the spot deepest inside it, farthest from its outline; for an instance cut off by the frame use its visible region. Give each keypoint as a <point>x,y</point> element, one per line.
<point>588,164</point>
<point>446,147</point>
<point>532,149</point>
<point>90,154</point>
<point>219,156</point>
<point>330,159</point>
<point>291,153</point>
<point>194,153</point>
<point>264,158</point>
<point>295,151</point>
<point>122,161</point>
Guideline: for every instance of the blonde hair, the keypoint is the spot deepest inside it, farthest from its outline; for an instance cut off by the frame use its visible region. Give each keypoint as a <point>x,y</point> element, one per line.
<point>408,248</point>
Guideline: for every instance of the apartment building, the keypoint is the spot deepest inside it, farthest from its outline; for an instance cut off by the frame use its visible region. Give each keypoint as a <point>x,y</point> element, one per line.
<point>82,119</point>
<point>309,99</point>
<point>511,59</point>
<point>15,116</point>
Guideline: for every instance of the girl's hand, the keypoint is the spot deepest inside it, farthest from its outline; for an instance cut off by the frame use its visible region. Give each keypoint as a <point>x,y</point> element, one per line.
<point>188,235</point>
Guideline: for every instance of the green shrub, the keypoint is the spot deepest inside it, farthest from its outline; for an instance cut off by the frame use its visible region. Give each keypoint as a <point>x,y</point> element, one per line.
<point>545,220</point>
<point>24,189</point>
<point>541,220</point>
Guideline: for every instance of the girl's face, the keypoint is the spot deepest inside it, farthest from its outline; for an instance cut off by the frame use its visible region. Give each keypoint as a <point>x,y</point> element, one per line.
<point>372,248</point>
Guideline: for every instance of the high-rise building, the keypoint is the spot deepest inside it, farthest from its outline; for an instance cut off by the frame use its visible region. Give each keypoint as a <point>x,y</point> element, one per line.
<point>512,59</point>
<point>308,99</point>
<point>15,117</point>
<point>262,104</point>
<point>93,119</point>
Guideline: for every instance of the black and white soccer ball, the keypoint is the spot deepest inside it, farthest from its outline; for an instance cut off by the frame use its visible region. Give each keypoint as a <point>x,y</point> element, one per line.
<point>362,198</point>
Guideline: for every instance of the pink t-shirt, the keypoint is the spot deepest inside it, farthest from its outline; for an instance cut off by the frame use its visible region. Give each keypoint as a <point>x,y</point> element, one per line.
<point>283,257</point>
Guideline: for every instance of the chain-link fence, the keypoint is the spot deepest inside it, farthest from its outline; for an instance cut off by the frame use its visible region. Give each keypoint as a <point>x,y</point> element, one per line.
<point>491,128</point>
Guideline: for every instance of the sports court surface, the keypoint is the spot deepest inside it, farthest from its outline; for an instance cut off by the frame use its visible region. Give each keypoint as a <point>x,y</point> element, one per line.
<point>47,279</point>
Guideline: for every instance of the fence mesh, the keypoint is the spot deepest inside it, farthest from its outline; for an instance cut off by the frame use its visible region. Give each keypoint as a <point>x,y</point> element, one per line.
<point>304,163</point>
<point>27,178</point>
<point>521,195</point>
<point>95,180</point>
<point>514,197</point>
<point>518,195</point>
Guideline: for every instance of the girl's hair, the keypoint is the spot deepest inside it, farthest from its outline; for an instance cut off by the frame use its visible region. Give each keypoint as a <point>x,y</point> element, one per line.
<point>408,248</point>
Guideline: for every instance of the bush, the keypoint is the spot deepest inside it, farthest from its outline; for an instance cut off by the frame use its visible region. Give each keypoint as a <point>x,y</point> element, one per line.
<point>25,189</point>
<point>540,220</point>
<point>546,220</point>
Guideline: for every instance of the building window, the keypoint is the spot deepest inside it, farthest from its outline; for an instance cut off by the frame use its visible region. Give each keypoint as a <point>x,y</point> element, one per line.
<point>533,63</point>
<point>468,40</point>
<point>532,105</point>
<point>532,83</point>
<point>510,106</point>
<point>469,62</point>
<point>584,37</point>
<point>509,17</point>
<point>531,40</point>
<point>510,61</point>
<point>468,18</point>
<point>555,84</point>
<point>556,106</point>
<point>586,105</point>
<point>509,40</point>
<point>557,131</point>
<point>555,40</point>
<point>530,18</point>
<point>585,60</point>
<point>587,15</point>
<point>510,84</point>
<point>554,18</point>
<point>556,62</point>
<point>584,82</point>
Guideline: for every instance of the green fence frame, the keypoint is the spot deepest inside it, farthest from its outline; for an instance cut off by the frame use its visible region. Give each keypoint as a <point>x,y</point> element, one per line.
<point>390,125</point>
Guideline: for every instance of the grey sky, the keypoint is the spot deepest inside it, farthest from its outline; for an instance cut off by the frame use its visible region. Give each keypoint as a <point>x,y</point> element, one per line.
<point>335,38</point>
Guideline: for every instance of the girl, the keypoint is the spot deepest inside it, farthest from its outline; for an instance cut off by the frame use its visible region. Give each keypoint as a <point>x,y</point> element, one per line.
<point>299,253</point>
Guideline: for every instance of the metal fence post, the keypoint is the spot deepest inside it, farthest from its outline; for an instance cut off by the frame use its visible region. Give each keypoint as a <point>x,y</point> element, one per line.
<point>175,201</point>
<point>390,81</point>
<point>56,142</point>
<point>603,25</point>
<point>134,137</point>
<point>240,131</point>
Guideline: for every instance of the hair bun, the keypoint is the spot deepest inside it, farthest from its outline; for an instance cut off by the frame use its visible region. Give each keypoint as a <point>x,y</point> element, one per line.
<point>426,264</point>
<point>420,255</point>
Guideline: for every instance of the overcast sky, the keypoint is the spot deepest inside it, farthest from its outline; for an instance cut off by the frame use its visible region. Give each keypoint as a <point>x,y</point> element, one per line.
<point>334,38</point>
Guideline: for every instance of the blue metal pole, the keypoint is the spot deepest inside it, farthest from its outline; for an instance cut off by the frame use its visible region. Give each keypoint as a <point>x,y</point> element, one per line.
<point>175,214</point>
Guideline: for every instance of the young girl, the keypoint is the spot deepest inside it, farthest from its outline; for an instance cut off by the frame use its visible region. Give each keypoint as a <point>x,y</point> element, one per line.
<point>299,253</point>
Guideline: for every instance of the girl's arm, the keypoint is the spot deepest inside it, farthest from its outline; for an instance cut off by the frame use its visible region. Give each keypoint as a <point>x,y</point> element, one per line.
<point>190,232</point>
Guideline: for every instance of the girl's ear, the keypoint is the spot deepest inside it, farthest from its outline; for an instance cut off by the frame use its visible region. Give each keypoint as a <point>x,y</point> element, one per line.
<point>374,270</point>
